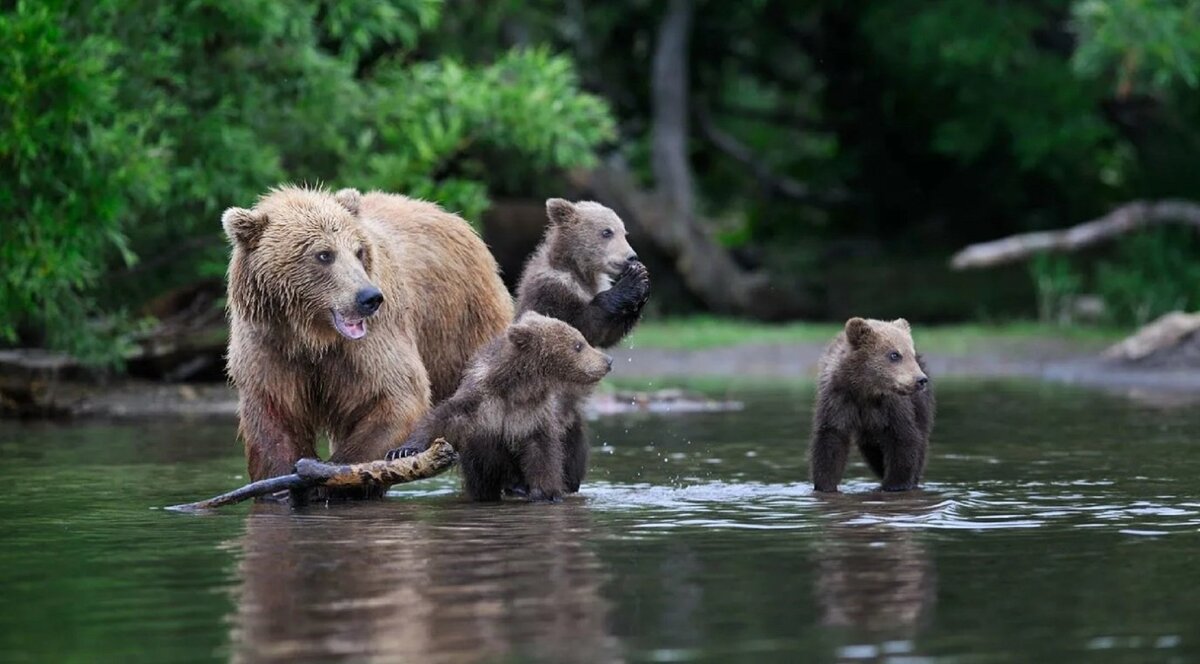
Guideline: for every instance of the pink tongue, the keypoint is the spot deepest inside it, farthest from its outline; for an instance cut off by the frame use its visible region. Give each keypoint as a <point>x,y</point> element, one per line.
<point>355,330</point>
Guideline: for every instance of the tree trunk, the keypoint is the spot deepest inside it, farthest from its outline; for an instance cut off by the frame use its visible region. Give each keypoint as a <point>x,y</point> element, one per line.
<point>668,214</point>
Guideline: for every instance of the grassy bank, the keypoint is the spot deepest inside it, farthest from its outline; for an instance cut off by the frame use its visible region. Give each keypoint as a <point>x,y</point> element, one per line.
<point>700,332</point>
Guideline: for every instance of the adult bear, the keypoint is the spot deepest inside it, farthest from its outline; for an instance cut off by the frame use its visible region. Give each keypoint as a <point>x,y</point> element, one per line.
<point>348,314</point>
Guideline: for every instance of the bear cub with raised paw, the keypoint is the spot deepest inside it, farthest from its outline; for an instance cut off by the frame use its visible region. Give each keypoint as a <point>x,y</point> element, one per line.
<point>873,391</point>
<point>585,274</point>
<point>505,420</point>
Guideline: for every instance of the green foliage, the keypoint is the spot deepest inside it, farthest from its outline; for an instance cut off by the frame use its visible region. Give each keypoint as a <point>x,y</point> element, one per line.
<point>429,118</point>
<point>1057,283</point>
<point>1139,278</point>
<point>129,126</point>
<point>1151,273</point>
<point>1145,45</point>
<point>72,166</point>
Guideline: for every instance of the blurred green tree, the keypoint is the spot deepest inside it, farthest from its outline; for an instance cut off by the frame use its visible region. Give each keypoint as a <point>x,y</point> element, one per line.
<point>128,125</point>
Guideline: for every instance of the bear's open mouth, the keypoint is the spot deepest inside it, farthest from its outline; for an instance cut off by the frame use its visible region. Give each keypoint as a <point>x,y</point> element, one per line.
<point>351,328</point>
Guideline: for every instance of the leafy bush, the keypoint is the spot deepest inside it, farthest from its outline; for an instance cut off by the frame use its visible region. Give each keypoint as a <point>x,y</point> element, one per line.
<point>1151,273</point>
<point>73,164</point>
<point>128,126</point>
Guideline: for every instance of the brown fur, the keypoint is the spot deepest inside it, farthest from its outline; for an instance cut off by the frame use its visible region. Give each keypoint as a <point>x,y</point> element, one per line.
<point>578,275</point>
<point>592,282</point>
<point>506,417</point>
<point>297,376</point>
<point>873,391</point>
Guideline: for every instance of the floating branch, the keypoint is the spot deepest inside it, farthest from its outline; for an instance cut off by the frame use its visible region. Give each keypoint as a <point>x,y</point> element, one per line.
<point>1128,217</point>
<point>313,473</point>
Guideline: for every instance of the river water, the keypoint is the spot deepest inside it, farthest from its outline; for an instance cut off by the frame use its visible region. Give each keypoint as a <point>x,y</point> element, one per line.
<point>1056,525</point>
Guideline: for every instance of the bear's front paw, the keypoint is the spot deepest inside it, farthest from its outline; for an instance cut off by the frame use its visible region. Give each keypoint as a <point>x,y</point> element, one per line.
<point>517,490</point>
<point>542,496</point>
<point>633,287</point>
<point>401,452</point>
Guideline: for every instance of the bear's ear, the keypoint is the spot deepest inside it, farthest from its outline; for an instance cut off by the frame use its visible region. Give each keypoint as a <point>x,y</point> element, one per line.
<point>902,324</point>
<point>243,226</point>
<point>520,335</point>
<point>858,332</point>
<point>561,212</point>
<point>349,198</point>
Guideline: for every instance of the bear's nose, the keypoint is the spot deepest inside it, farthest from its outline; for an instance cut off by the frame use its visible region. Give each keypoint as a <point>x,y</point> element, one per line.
<point>631,258</point>
<point>922,381</point>
<point>369,300</point>
<point>609,360</point>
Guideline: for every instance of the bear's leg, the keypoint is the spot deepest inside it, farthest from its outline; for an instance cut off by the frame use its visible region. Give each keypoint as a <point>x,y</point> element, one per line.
<point>872,454</point>
<point>827,457</point>
<point>485,466</point>
<point>368,439</point>
<point>274,440</point>
<point>541,461</point>
<point>903,458</point>
<point>575,453</point>
<point>368,435</point>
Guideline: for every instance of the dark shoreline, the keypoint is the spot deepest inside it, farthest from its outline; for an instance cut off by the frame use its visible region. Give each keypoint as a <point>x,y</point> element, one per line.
<point>1056,362</point>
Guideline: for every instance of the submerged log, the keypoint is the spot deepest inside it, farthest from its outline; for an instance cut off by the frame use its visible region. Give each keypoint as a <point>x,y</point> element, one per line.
<point>311,473</point>
<point>1129,217</point>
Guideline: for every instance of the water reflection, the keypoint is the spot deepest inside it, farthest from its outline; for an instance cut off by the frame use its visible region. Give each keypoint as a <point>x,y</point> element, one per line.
<point>393,582</point>
<point>870,575</point>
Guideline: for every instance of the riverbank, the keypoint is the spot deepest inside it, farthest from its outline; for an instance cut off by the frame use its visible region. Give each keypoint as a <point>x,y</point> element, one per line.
<point>672,352</point>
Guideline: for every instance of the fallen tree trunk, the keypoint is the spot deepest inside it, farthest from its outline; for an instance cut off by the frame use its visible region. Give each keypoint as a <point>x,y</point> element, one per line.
<point>312,473</point>
<point>1129,217</point>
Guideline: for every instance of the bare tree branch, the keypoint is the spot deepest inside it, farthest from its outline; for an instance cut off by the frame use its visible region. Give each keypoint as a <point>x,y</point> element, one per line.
<point>1128,217</point>
<point>313,473</point>
<point>739,152</point>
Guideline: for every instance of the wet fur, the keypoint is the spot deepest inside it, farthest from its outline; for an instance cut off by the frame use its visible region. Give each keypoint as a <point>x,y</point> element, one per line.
<point>506,419</point>
<point>577,276</point>
<point>866,400</point>
<point>571,277</point>
<point>297,378</point>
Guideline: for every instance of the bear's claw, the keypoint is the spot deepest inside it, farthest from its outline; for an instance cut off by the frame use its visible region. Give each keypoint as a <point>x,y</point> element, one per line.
<point>401,452</point>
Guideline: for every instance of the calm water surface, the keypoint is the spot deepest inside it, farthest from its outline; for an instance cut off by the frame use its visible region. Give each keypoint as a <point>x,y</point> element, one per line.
<point>1056,525</point>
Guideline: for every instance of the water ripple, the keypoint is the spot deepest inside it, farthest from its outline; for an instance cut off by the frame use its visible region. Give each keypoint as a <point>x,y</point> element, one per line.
<point>939,506</point>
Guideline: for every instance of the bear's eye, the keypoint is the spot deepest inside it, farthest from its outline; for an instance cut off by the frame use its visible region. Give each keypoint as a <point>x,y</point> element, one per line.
<point>895,356</point>
<point>360,254</point>
<point>325,257</point>
<point>606,233</point>
<point>578,346</point>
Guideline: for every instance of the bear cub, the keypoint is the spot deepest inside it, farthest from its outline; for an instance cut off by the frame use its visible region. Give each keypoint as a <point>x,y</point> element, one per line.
<point>586,274</point>
<point>505,419</point>
<point>872,391</point>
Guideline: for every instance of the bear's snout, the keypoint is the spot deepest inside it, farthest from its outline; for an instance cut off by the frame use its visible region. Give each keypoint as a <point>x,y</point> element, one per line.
<point>368,300</point>
<point>608,361</point>
<point>632,257</point>
<point>922,382</point>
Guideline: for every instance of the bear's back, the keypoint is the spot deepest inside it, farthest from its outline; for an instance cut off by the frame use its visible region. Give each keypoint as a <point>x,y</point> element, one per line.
<point>451,282</point>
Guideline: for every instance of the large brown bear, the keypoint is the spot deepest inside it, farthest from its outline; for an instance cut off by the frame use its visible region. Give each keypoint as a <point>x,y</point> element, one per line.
<point>347,313</point>
<point>505,420</point>
<point>584,273</point>
<point>872,391</point>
